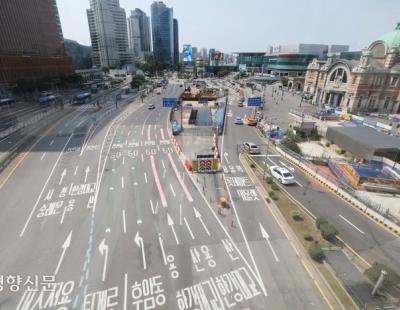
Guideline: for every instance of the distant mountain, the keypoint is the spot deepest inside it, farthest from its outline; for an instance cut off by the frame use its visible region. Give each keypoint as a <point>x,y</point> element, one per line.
<point>81,55</point>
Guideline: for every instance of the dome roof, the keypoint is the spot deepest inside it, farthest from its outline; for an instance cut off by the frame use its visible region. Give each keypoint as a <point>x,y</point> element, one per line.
<point>392,39</point>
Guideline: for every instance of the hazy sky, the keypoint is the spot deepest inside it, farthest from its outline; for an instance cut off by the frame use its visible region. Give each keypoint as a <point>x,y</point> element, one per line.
<point>252,25</point>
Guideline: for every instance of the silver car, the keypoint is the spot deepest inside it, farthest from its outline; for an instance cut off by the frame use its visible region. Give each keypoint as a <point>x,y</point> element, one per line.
<point>251,148</point>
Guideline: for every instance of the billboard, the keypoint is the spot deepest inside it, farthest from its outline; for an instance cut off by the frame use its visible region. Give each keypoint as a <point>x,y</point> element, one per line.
<point>187,53</point>
<point>217,59</point>
<point>242,67</point>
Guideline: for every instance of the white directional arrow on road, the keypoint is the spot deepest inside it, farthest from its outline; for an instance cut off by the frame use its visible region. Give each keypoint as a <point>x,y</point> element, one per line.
<point>171,224</point>
<point>198,216</point>
<point>86,173</point>
<point>226,157</point>
<point>103,248</point>
<point>139,243</point>
<point>63,174</point>
<point>65,246</point>
<point>266,237</point>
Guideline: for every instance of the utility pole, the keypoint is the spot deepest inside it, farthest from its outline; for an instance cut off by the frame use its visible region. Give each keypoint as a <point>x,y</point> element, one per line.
<point>379,282</point>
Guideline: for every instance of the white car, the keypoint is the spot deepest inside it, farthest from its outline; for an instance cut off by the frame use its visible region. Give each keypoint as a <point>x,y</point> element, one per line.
<point>238,121</point>
<point>151,106</point>
<point>251,148</point>
<point>282,175</point>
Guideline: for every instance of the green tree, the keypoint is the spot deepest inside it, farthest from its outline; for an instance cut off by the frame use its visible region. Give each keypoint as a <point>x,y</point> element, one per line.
<point>328,231</point>
<point>151,65</point>
<point>316,252</point>
<point>137,81</point>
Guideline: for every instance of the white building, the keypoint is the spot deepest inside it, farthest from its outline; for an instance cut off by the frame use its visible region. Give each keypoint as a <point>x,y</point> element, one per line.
<point>108,33</point>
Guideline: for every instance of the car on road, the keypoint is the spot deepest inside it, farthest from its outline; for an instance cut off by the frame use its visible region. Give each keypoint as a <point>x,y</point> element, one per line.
<point>151,106</point>
<point>282,175</point>
<point>181,85</point>
<point>238,121</point>
<point>251,148</point>
<point>251,122</point>
<point>240,104</point>
<point>241,99</point>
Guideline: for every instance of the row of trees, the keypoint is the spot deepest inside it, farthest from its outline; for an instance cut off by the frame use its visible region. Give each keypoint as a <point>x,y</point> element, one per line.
<point>46,83</point>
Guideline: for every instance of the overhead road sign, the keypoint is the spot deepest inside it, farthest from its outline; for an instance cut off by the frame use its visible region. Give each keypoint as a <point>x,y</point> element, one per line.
<point>254,102</point>
<point>170,102</point>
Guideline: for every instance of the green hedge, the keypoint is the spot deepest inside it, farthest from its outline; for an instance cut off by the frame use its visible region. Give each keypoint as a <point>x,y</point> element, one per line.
<point>316,252</point>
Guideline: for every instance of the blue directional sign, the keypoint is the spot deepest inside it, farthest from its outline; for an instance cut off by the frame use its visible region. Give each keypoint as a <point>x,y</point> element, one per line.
<point>170,102</point>
<point>254,102</point>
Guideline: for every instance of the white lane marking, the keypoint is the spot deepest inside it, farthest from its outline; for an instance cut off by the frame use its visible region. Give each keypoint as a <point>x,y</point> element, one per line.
<point>299,184</point>
<point>266,237</point>
<point>129,133</point>
<point>126,291</point>
<point>162,249</point>
<point>226,157</point>
<point>44,154</point>
<point>65,246</point>
<point>158,183</point>
<point>145,177</point>
<point>351,224</point>
<point>172,190</point>
<point>44,187</point>
<point>162,163</point>
<point>63,216</point>
<point>142,158</point>
<point>152,207</point>
<point>76,170</point>
<point>155,210</point>
<point>287,166</point>
<point>123,160</point>
<point>272,161</point>
<point>124,220</point>
<point>52,141</point>
<point>122,182</point>
<point>188,228</point>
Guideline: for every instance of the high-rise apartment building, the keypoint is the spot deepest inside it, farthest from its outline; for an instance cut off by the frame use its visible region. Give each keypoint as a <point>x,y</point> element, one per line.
<point>108,33</point>
<point>163,32</point>
<point>139,33</point>
<point>176,42</point>
<point>30,43</point>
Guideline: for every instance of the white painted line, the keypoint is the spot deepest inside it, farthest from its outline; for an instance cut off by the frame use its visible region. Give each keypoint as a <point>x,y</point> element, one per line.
<point>52,141</point>
<point>123,160</point>
<point>172,190</point>
<point>44,187</point>
<point>162,249</point>
<point>155,210</point>
<point>65,246</point>
<point>126,291</point>
<point>76,170</point>
<point>63,215</point>
<point>299,184</point>
<point>145,177</point>
<point>351,224</point>
<point>152,207</point>
<point>272,161</point>
<point>142,158</point>
<point>124,220</point>
<point>122,182</point>
<point>162,164</point>
<point>188,228</point>
<point>44,154</point>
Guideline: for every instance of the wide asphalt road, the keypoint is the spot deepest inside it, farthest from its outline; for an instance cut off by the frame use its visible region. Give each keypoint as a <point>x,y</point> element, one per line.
<point>371,241</point>
<point>102,215</point>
